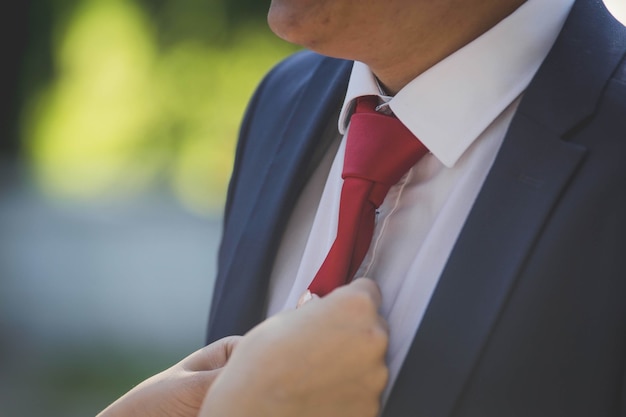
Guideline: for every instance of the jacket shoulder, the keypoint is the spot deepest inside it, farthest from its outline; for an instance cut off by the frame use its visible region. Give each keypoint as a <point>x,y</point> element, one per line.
<point>297,72</point>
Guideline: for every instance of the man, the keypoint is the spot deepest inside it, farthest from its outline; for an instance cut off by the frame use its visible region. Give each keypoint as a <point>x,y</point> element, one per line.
<point>500,253</point>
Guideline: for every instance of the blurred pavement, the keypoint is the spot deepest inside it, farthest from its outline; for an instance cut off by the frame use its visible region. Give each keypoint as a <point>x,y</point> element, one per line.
<point>89,289</point>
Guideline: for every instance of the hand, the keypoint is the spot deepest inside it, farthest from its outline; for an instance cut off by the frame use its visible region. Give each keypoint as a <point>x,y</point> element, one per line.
<point>325,359</point>
<point>178,391</point>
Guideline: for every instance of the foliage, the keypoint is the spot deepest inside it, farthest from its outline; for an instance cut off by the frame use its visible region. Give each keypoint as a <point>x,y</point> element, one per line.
<point>144,94</point>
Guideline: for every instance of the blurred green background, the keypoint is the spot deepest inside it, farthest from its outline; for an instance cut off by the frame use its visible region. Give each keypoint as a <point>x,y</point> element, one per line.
<point>119,120</point>
<point>128,95</point>
<point>118,123</point>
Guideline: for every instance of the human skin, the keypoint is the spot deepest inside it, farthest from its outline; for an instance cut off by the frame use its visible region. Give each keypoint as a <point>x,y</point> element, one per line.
<point>327,358</point>
<point>179,390</point>
<point>397,39</point>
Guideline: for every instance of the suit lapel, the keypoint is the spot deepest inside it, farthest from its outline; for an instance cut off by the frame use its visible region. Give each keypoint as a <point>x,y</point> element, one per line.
<point>241,289</point>
<point>533,168</point>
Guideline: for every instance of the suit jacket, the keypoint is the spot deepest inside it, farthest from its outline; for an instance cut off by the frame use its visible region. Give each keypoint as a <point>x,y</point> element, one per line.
<point>529,315</point>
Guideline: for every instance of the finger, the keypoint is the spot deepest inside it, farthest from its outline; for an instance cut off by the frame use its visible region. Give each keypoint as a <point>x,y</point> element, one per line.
<point>382,323</point>
<point>367,286</point>
<point>211,357</point>
<point>306,297</point>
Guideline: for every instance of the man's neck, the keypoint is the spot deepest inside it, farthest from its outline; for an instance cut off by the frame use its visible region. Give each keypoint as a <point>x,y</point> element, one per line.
<point>413,54</point>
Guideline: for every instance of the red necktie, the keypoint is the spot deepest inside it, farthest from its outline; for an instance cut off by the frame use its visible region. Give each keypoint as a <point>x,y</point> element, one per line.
<point>379,151</point>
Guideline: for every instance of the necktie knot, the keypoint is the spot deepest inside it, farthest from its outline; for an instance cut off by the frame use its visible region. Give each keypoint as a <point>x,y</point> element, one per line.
<point>379,148</point>
<point>379,151</point>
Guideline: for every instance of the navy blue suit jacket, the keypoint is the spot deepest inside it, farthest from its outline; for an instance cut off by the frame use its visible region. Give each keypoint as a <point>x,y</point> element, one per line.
<point>529,315</point>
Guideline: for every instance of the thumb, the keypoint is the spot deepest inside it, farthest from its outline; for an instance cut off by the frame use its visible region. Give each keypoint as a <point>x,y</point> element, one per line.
<point>213,356</point>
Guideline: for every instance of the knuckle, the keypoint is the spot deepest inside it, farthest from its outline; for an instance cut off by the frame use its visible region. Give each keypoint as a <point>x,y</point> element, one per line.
<point>360,303</point>
<point>370,407</point>
<point>378,339</point>
<point>382,376</point>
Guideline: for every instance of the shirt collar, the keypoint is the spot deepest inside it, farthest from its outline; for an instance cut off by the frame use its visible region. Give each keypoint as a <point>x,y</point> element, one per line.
<point>448,106</point>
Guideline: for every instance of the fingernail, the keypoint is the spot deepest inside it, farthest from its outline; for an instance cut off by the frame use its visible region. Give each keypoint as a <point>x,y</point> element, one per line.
<point>304,298</point>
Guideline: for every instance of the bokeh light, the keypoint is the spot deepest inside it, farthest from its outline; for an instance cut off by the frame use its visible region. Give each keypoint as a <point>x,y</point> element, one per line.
<point>127,111</point>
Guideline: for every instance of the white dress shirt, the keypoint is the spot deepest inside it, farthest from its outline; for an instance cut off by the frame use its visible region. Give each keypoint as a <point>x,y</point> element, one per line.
<point>460,109</point>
